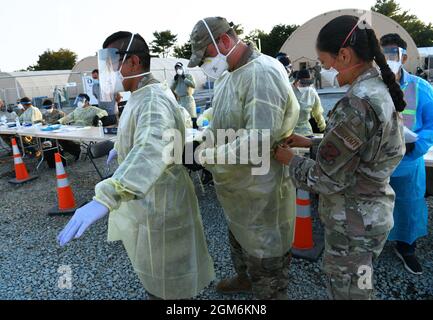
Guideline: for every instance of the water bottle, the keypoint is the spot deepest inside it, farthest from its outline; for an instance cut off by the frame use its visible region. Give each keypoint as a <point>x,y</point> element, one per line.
<point>101,129</point>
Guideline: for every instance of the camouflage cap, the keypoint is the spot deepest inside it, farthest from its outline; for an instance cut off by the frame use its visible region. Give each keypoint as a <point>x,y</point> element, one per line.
<point>200,37</point>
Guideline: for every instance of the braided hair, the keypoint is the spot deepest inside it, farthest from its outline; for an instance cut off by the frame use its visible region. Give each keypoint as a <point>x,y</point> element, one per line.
<point>363,41</point>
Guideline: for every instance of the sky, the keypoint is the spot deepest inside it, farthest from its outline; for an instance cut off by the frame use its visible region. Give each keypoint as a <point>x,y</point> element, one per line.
<point>29,27</point>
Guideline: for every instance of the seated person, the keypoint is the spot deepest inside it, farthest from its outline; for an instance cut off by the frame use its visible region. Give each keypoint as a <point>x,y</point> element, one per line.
<point>6,114</point>
<point>31,113</point>
<point>84,114</point>
<point>50,114</point>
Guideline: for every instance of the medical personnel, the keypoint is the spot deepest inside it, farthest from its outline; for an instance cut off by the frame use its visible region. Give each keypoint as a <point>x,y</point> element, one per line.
<point>310,104</point>
<point>152,205</point>
<point>409,180</point>
<point>362,146</point>
<point>84,114</point>
<point>50,114</point>
<point>252,93</point>
<point>31,113</point>
<point>183,86</point>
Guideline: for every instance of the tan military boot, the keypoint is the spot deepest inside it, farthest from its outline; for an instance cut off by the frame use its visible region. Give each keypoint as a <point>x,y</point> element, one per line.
<point>237,284</point>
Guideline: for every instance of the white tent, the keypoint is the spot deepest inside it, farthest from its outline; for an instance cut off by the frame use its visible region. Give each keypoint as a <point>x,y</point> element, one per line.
<point>426,54</point>
<point>15,85</point>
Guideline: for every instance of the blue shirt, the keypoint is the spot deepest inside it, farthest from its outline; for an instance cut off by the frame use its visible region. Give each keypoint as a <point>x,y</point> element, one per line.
<point>424,115</point>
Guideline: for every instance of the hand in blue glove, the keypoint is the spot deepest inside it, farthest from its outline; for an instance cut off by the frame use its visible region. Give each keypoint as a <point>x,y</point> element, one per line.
<point>111,156</point>
<point>81,221</point>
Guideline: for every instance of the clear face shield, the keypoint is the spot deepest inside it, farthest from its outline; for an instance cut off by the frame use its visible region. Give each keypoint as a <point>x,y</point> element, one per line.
<point>108,65</point>
<point>81,102</point>
<point>394,57</point>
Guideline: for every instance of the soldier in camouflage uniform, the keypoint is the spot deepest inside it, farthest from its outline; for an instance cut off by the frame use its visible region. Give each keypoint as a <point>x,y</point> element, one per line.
<point>50,114</point>
<point>251,93</point>
<point>362,146</point>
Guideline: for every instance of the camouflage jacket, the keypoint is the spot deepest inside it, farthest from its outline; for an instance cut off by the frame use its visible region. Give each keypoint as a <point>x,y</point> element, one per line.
<point>53,117</point>
<point>362,146</point>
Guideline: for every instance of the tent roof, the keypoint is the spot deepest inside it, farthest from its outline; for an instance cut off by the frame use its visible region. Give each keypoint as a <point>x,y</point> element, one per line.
<point>426,51</point>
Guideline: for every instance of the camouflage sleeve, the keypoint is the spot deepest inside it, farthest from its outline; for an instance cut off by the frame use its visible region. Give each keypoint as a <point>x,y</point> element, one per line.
<point>338,156</point>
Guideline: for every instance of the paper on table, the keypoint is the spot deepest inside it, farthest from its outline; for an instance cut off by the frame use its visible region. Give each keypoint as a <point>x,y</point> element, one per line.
<point>410,136</point>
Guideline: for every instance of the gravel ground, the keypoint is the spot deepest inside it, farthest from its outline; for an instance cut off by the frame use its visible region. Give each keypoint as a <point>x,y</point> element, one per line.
<point>30,258</point>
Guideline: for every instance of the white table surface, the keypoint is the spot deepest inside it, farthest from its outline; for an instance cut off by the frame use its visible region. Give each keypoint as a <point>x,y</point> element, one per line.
<point>82,134</point>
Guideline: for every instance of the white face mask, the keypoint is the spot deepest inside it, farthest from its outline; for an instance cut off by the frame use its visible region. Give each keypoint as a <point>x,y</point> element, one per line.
<point>395,66</point>
<point>111,78</point>
<point>118,87</point>
<point>330,76</point>
<point>214,67</point>
<point>179,72</point>
<point>80,104</point>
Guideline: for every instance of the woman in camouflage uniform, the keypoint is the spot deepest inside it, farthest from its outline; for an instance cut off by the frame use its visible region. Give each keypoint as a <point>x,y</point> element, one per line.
<point>362,146</point>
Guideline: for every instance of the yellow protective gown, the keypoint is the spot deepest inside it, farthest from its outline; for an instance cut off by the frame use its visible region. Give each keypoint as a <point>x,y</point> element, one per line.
<point>186,117</point>
<point>260,209</point>
<point>83,116</point>
<point>31,115</point>
<point>153,206</point>
<point>310,105</point>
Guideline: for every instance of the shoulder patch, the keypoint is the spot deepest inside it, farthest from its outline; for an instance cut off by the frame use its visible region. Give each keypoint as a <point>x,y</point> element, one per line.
<point>329,152</point>
<point>350,139</point>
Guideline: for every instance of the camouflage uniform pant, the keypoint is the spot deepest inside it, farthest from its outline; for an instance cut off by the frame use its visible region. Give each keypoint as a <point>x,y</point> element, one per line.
<point>269,277</point>
<point>348,263</point>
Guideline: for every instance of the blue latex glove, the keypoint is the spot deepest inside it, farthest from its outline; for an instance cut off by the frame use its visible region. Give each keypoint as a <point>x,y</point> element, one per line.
<point>111,156</point>
<point>81,221</point>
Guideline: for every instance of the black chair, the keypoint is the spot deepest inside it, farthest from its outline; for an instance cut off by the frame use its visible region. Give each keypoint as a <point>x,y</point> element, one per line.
<point>106,121</point>
<point>99,150</point>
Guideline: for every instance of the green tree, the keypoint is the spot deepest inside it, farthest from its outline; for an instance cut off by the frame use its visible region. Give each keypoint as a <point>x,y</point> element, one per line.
<point>271,42</point>
<point>420,32</point>
<point>255,37</point>
<point>64,59</point>
<point>183,51</point>
<point>163,42</point>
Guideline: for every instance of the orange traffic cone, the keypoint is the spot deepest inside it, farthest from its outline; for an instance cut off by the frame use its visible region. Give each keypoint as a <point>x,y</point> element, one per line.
<point>67,204</point>
<point>21,173</point>
<point>304,246</point>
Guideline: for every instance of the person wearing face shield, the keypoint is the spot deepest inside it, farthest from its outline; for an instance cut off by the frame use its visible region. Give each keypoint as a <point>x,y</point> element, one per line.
<point>109,104</point>
<point>84,114</point>
<point>362,146</point>
<point>183,87</point>
<point>50,114</point>
<point>409,179</point>
<point>31,113</point>
<point>6,114</point>
<point>310,104</point>
<point>252,93</point>
<point>151,204</point>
